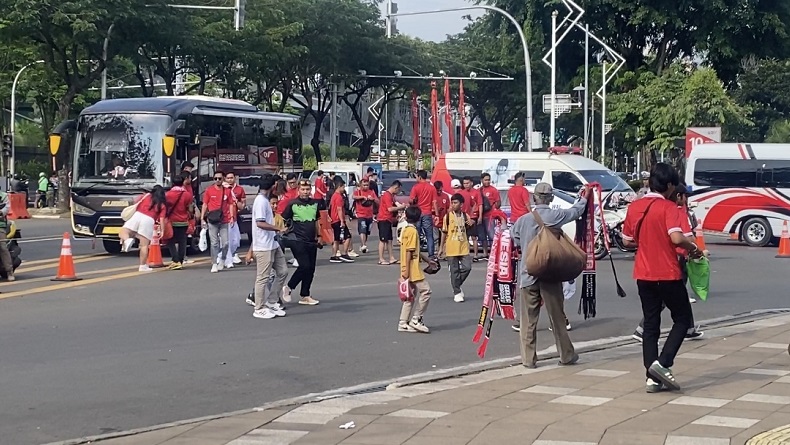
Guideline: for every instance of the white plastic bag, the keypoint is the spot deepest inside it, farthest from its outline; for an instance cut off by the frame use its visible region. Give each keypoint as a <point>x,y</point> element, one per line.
<point>234,239</point>
<point>569,289</point>
<point>203,241</point>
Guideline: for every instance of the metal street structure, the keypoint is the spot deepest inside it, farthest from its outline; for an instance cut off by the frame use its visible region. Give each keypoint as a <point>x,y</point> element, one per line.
<point>527,64</point>
<point>13,113</point>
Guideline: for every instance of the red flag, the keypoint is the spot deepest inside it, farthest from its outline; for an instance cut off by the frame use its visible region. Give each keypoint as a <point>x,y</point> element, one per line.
<point>415,124</point>
<point>448,116</point>
<point>435,134</point>
<point>462,114</point>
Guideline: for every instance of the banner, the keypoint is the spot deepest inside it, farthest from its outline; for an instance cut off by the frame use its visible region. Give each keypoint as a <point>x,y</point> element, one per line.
<point>436,137</point>
<point>462,114</point>
<point>448,116</point>
<point>415,124</point>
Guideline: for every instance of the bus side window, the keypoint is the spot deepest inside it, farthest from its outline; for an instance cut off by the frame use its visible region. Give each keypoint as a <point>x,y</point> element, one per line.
<point>352,180</point>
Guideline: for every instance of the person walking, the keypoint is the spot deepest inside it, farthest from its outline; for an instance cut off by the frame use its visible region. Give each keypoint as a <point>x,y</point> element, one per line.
<point>411,315</point>
<point>455,244</point>
<point>443,208</point>
<point>268,256</point>
<point>653,224</point>
<point>423,195</point>
<point>179,209</point>
<point>473,207</point>
<point>304,238</point>
<point>338,218</point>
<point>218,213</point>
<point>387,218</point>
<point>150,211</point>
<point>5,254</point>
<point>533,291</point>
<point>489,200</point>
<point>364,201</point>
<point>518,197</point>
<point>239,200</point>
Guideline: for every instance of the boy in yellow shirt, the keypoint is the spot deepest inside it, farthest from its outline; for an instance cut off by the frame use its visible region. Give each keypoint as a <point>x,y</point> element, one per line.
<point>456,245</point>
<point>410,270</point>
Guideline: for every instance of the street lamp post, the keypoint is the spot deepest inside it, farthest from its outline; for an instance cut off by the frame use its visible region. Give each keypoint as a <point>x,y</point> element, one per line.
<point>603,116</point>
<point>104,58</point>
<point>13,113</point>
<point>527,64</point>
<point>586,90</point>
<point>553,116</point>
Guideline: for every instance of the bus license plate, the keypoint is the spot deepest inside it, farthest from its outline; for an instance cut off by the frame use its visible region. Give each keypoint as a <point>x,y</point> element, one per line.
<point>111,231</point>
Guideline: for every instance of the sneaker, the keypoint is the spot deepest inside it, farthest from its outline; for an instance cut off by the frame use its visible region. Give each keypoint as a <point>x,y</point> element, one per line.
<point>236,259</point>
<point>309,301</point>
<point>346,258</point>
<point>276,309</point>
<point>175,266</point>
<point>418,325</point>
<point>363,249</point>
<point>214,268</point>
<point>229,263</point>
<point>11,277</point>
<point>126,245</point>
<point>286,294</point>
<point>352,254</point>
<point>652,386</point>
<point>692,300</point>
<point>295,263</point>
<point>570,362</point>
<point>264,313</point>
<point>250,299</point>
<point>516,327</point>
<point>220,265</point>
<point>695,335</point>
<point>144,268</point>
<point>637,336</point>
<point>404,327</point>
<point>663,375</point>
<point>459,297</point>
<point>335,259</point>
<point>568,326</point>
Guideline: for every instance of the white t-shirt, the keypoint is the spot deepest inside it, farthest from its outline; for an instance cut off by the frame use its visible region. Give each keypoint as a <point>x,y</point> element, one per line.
<point>262,240</point>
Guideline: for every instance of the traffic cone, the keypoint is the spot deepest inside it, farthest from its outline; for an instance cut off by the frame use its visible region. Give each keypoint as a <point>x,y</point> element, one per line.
<point>784,243</point>
<point>699,236</point>
<point>66,265</point>
<point>155,253</point>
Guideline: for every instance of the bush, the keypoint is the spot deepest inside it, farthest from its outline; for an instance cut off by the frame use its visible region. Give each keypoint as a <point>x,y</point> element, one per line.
<point>636,184</point>
<point>344,153</point>
<point>32,168</point>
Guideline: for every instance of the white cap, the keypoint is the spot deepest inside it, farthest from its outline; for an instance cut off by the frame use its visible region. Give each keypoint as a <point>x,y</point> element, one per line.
<point>456,184</point>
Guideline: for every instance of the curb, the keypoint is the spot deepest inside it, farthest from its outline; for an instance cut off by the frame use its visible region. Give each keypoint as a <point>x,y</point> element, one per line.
<point>48,216</point>
<point>430,376</point>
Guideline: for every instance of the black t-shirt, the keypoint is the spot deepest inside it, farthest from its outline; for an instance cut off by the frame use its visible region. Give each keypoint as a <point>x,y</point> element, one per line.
<point>303,214</point>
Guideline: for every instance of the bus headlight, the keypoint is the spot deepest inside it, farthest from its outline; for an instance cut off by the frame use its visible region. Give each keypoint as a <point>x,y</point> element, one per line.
<point>81,210</point>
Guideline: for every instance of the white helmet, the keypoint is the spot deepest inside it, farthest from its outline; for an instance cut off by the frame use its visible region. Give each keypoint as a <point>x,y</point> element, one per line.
<point>645,175</point>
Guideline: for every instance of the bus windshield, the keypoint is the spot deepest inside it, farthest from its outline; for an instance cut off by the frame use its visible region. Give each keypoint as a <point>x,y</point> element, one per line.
<point>122,148</point>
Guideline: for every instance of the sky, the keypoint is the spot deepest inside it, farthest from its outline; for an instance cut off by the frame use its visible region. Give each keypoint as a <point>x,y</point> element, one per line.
<point>433,27</point>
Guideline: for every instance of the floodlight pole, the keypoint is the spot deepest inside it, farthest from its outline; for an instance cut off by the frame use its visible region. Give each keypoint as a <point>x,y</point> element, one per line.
<point>586,90</point>
<point>552,115</point>
<point>603,115</point>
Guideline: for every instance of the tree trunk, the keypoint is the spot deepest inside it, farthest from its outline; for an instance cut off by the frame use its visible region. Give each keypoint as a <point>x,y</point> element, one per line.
<point>364,149</point>
<point>64,189</point>
<point>315,142</point>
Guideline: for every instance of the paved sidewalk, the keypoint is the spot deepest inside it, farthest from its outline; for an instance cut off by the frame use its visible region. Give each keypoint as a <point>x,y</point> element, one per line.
<point>736,385</point>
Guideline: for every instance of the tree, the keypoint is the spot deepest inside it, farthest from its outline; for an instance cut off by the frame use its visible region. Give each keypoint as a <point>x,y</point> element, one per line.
<point>764,86</point>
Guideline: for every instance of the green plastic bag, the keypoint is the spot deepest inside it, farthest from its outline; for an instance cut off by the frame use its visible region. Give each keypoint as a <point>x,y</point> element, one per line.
<point>699,276</point>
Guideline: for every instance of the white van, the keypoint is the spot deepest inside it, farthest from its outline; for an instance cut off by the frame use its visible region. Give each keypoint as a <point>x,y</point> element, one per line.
<point>566,172</point>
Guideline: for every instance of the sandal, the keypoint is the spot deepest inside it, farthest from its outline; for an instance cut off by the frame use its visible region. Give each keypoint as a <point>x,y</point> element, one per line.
<point>384,263</point>
<point>395,262</point>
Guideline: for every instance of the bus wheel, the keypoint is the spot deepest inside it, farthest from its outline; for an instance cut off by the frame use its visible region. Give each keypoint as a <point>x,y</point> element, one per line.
<point>757,232</point>
<point>112,246</point>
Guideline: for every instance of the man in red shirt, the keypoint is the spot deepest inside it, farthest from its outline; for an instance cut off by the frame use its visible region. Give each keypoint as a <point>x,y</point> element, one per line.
<point>473,206</point>
<point>364,199</point>
<point>239,199</point>
<point>442,208</point>
<point>337,215</point>
<point>490,200</point>
<point>218,211</point>
<point>291,193</point>
<point>321,187</point>
<point>179,210</point>
<point>387,218</point>
<point>423,195</point>
<point>653,224</point>
<point>518,196</point>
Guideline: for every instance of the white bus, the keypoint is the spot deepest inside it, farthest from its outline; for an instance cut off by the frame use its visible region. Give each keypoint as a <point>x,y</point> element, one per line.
<point>741,189</point>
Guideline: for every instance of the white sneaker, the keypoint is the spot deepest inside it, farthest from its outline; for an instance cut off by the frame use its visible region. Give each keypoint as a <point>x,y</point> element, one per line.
<point>295,263</point>
<point>264,313</point>
<point>352,254</point>
<point>229,265</point>
<point>236,259</point>
<point>418,325</point>
<point>363,249</point>
<point>459,297</point>
<point>220,265</point>
<point>144,268</point>
<point>692,300</point>
<point>126,245</point>
<point>276,309</point>
<point>286,294</point>
<point>214,268</point>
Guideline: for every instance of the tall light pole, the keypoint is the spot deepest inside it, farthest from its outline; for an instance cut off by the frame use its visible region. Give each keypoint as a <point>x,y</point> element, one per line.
<point>586,90</point>
<point>13,113</point>
<point>527,64</point>
<point>104,58</point>
<point>603,116</point>
<point>552,115</point>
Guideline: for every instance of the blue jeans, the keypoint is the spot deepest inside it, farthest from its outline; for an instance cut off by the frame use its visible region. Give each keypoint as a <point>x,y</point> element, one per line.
<point>485,233</point>
<point>426,228</point>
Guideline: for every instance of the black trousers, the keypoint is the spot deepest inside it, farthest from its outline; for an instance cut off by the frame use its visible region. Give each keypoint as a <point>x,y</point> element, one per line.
<point>305,254</point>
<point>682,262</point>
<point>654,296</point>
<point>178,244</point>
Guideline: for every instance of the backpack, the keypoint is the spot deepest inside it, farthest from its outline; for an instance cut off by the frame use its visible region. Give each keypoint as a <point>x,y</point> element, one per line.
<point>552,256</point>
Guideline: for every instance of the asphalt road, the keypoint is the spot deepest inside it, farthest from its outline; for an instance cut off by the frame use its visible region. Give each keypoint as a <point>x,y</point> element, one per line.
<point>119,350</point>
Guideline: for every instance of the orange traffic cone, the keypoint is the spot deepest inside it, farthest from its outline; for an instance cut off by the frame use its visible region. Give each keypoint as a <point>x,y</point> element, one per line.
<point>699,236</point>
<point>66,265</point>
<point>155,253</point>
<point>784,243</point>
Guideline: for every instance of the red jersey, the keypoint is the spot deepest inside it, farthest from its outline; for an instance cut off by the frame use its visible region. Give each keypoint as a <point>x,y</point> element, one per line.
<point>218,198</point>
<point>492,194</point>
<point>287,197</point>
<point>178,202</point>
<point>519,202</point>
<point>337,208</point>
<point>145,208</point>
<point>685,226</point>
<point>423,195</point>
<point>443,204</point>
<point>387,202</point>
<point>656,258</point>
<point>471,203</point>
<point>321,188</point>
<point>238,194</point>
<point>362,211</point>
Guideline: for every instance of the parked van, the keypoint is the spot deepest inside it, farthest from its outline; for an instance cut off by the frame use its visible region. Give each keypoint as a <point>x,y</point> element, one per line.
<point>564,171</point>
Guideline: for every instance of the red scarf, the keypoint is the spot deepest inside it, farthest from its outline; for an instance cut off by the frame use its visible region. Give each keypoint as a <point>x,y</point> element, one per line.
<point>585,238</point>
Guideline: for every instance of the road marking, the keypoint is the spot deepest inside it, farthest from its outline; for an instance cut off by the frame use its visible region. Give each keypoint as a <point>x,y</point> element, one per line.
<point>39,239</point>
<point>55,260</point>
<point>40,279</point>
<point>55,263</point>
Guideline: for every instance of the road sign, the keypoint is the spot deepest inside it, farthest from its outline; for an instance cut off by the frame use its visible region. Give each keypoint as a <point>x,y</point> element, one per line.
<point>562,104</point>
<point>607,128</point>
<point>701,135</point>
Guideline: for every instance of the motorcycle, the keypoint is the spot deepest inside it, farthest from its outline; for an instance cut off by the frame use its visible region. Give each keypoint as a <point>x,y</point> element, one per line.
<point>12,238</point>
<point>611,227</point>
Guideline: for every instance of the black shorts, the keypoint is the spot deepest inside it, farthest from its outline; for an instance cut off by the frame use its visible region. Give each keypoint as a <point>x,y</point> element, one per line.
<point>472,231</point>
<point>337,230</point>
<point>385,231</point>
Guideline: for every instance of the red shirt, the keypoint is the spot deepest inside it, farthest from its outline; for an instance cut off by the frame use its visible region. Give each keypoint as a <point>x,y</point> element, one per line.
<point>336,207</point>
<point>423,195</point>
<point>362,211</point>
<point>492,194</point>
<point>387,202</point>
<point>443,203</point>
<point>656,259</point>
<point>178,201</point>
<point>471,203</point>
<point>320,188</point>
<point>287,197</point>
<point>685,225</point>
<point>218,198</point>
<point>145,208</point>
<point>238,192</point>
<point>519,202</point>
